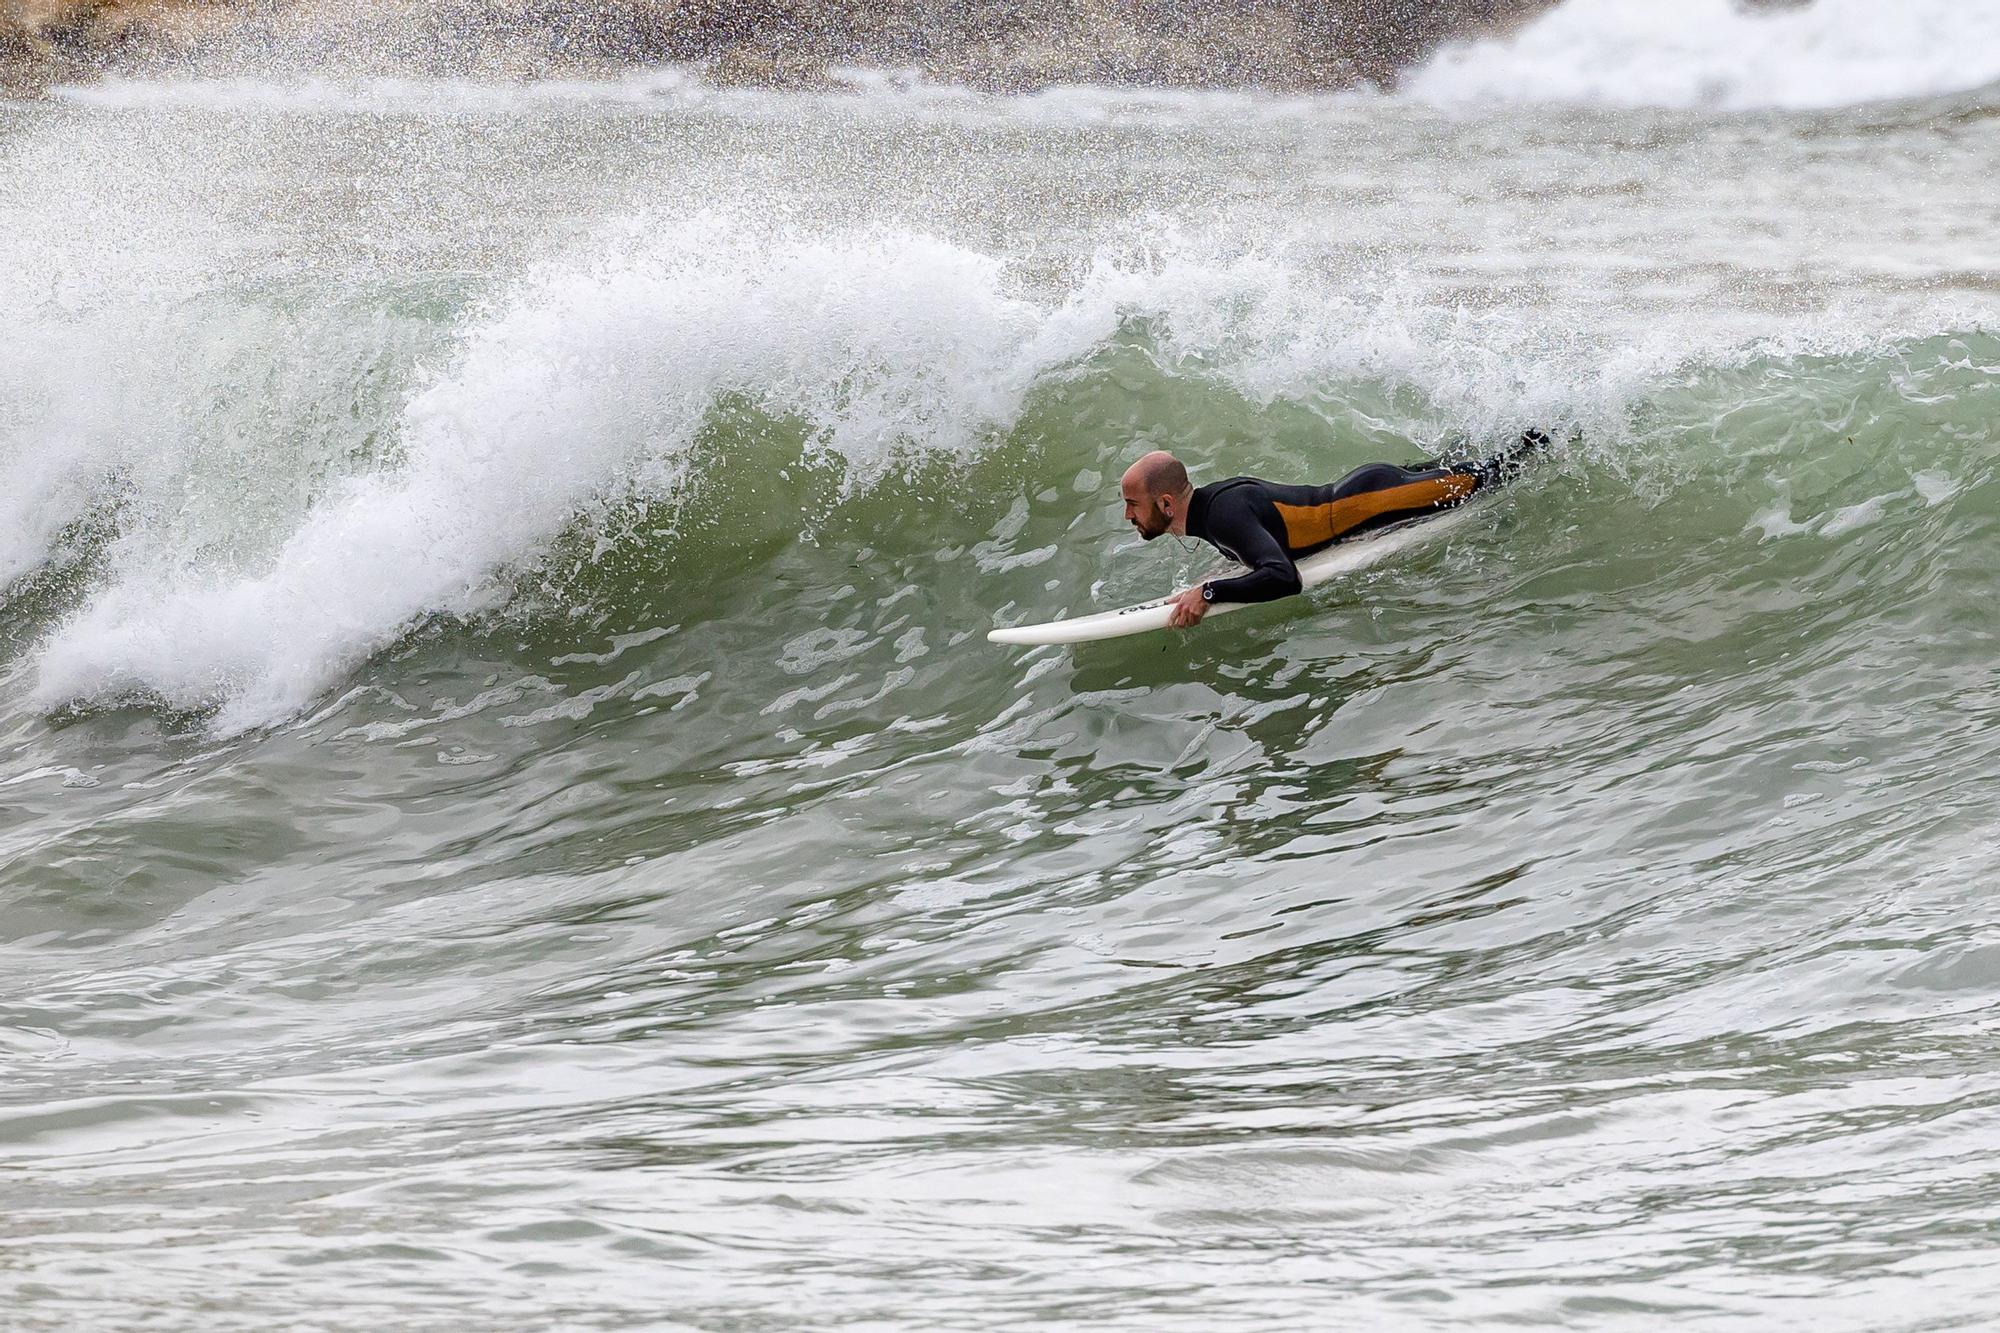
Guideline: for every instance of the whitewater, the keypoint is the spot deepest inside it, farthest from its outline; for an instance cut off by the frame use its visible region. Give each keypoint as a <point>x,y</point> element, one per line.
<point>509,819</point>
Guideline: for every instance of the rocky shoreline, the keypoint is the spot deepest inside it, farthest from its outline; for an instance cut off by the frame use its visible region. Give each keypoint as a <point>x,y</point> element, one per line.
<point>1009,46</point>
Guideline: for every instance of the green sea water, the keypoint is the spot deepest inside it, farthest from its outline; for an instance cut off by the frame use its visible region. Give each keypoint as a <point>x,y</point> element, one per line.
<point>509,819</point>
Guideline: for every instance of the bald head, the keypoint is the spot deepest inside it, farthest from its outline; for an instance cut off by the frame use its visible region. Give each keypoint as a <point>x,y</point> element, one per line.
<point>1156,491</point>
<point>1155,474</point>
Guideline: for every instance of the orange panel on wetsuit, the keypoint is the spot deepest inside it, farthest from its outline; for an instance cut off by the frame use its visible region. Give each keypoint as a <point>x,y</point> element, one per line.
<point>1308,526</point>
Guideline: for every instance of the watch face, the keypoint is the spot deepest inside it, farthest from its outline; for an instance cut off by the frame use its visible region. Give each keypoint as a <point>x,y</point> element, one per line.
<point>1207,593</point>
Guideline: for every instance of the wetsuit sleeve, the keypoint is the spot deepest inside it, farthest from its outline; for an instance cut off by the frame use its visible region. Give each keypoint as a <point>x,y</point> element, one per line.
<point>1272,575</point>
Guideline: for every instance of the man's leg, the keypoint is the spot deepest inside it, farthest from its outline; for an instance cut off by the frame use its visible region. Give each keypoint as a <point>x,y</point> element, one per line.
<point>1503,466</point>
<point>1376,495</point>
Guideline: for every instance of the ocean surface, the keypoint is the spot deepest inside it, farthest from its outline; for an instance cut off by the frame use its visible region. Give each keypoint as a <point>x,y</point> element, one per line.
<point>509,819</point>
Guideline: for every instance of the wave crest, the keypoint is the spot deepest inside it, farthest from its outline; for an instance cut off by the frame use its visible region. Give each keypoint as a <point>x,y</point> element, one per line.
<point>1716,53</point>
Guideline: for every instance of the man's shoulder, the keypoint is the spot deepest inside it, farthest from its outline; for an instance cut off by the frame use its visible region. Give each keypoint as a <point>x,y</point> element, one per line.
<point>1215,488</point>
<point>1234,489</point>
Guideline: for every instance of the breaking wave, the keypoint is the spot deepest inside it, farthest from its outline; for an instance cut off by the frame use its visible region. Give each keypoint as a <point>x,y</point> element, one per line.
<point>664,353</point>
<point>1718,53</point>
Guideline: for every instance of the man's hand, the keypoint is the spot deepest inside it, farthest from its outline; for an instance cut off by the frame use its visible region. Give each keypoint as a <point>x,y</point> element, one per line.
<point>1189,608</point>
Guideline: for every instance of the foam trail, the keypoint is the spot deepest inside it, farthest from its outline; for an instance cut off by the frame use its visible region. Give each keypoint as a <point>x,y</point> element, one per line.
<point>590,381</point>
<point>1713,53</point>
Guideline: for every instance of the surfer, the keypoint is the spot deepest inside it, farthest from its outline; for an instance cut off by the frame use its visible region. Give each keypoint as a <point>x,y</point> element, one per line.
<point>1267,526</point>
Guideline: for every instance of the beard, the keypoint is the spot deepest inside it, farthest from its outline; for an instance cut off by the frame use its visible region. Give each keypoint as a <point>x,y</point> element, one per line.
<point>1152,525</point>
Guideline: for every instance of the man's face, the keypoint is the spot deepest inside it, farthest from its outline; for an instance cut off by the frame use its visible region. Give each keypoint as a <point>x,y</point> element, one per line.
<point>1144,512</point>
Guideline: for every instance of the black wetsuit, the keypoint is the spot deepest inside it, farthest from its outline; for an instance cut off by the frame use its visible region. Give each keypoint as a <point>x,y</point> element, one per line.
<point>1267,526</point>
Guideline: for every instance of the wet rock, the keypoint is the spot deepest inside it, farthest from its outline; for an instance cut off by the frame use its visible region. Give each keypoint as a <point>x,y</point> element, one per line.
<point>999,44</point>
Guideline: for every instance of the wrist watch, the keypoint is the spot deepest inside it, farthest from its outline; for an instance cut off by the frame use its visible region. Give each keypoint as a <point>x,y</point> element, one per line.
<point>1208,592</point>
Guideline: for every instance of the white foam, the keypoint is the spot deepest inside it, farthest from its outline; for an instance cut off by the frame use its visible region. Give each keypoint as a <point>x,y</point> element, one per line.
<point>1849,517</point>
<point>1776,521</point>
<point>1935,487</point>
<point>1714,53</point>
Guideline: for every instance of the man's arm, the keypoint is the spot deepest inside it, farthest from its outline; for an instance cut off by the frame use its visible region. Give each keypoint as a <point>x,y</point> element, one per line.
<point>1272,574</point>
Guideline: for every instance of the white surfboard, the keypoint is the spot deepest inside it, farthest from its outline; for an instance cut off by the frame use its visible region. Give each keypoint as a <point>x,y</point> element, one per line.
<point>1340,558</point>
